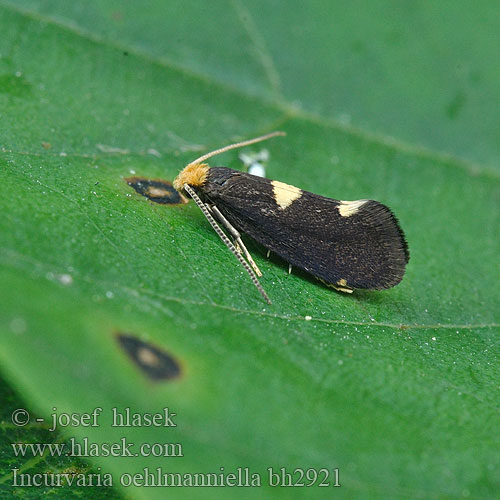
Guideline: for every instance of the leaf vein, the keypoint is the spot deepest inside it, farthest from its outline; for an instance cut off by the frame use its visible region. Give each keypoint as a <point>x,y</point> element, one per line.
<point>290,109</point>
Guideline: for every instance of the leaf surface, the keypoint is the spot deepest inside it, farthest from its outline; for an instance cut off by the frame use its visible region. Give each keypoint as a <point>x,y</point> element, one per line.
<point>397,389</point>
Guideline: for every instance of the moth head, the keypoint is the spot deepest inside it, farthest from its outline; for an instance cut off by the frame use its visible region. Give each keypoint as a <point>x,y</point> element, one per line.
<point>194,174</point>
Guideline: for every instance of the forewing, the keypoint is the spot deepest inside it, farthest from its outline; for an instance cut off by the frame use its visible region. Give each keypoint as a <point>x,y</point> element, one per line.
<point>347,244</point>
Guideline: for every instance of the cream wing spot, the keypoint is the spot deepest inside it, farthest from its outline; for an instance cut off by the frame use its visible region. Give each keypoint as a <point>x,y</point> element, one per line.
<point>342,286</point>
<point>284,194</point>
<point>348,208</point>
<point>339,286</point>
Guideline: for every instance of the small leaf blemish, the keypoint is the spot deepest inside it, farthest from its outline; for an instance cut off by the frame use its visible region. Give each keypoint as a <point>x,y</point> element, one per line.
<point>155,363</point>
<point>156,190</point>
<point>456,105</point>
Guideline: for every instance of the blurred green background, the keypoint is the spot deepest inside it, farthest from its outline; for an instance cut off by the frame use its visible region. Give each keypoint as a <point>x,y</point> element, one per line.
<point>390,100</point>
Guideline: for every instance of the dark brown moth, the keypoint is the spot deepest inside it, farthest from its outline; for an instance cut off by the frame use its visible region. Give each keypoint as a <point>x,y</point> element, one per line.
<point>345,244</point>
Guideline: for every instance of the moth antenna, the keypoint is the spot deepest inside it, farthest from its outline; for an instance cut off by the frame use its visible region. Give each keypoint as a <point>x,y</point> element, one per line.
<point>236,145</point>
<point>226,240</point>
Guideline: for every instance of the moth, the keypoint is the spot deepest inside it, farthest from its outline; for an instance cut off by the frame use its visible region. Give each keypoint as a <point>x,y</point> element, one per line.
<point>345,244</point>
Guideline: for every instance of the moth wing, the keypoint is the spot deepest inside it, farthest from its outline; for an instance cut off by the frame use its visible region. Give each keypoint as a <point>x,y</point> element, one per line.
<point>356,244</point>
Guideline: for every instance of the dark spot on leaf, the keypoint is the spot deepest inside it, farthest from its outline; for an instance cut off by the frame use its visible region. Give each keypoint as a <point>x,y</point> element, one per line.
<point>125,53</point>
<point>156,190</point>
<point>155,363</point>
<point>454,107</point>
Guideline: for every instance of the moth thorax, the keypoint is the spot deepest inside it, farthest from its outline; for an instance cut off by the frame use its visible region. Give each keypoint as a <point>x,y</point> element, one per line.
<point>194,174</point>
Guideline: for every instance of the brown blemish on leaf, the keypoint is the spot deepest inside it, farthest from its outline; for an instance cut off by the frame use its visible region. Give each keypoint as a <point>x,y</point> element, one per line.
<point>154,362</point>
<point>156,190</point>
<point>46,145</point>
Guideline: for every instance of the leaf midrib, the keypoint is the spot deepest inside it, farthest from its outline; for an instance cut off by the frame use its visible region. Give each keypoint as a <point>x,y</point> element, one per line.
<point>14,257</point>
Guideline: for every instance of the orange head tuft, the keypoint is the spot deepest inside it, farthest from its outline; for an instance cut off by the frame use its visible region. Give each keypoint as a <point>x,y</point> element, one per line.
<point>195,174</point>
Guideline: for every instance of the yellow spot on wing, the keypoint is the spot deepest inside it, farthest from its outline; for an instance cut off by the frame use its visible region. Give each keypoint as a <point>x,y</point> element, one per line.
<point>340,286</point>
<point>348,208</point>
<point>284,194</point>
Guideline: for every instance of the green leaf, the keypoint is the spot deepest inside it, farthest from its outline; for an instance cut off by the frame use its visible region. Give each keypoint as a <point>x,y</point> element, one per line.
<point>396,389</point>
<point>43,461</point>
<point>420,75</point>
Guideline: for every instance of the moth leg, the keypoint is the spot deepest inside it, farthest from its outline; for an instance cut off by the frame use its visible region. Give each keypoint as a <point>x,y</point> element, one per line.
<point>226,224</point>
<point>236,237</point>
<point>203,207</point>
